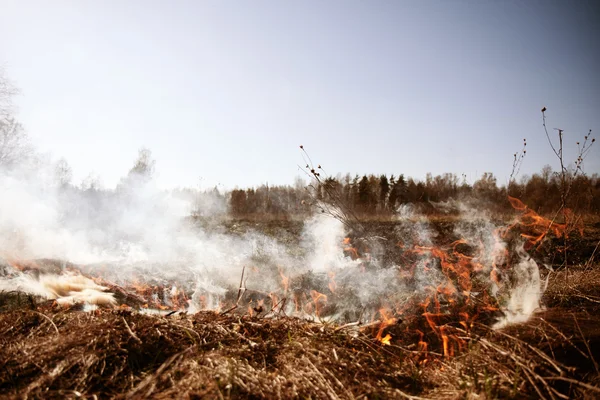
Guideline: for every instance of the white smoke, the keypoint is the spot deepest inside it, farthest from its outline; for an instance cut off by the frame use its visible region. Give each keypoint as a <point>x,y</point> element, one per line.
<point>323,239</point>
<point>525,294</point>
<point>138,233</point>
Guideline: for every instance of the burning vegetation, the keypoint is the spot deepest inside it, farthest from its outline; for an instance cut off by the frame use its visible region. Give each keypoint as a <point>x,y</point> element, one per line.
<point>458,313</point>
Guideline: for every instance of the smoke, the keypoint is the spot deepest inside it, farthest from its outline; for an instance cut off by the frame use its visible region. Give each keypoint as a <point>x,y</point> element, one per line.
<point>137,233</point>
<point>519,290</point>
<point>524,295</point>
<point>323,241</point>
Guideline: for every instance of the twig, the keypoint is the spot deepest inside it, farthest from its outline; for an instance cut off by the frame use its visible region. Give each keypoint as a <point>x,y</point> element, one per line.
<point>564,337</point>
<point>589,261</point>
<point>133,335</point>
<point>49,320</point>
<point>408,396</point>
<point>573,381</point>
<point>150,379</point>
<point>348,325</point>
<point>239,295</point>
<point>587,346</point>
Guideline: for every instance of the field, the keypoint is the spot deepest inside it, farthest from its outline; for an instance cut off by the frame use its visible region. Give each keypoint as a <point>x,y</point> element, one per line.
<point>256,349</point>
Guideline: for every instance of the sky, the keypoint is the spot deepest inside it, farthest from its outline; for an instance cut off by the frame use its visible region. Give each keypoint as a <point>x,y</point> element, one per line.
<point>224,92</point>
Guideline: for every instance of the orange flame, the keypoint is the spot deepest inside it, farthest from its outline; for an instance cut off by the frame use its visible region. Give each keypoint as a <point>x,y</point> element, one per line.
<point>386,340</point>
<point>332,284</point>
<point>386,320</point>
<point>349,249</point>
<point>539,227</point>
<point>319,300</point>
<point>285,281</point>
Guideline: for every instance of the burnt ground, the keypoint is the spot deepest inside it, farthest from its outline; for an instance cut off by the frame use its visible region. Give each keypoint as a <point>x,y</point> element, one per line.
<point>52,352</point>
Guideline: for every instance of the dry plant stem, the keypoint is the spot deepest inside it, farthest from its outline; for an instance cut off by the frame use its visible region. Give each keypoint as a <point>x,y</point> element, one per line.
<point>591,259</point>
<point>281,304</point>
<point>151,379</point>
<point>564,337</point>
<point>133,335</point>
<point>592,299</point>
<point>49,320</point>
<point>574,382</point>
<point>348,325</point>
<point>239,295</point>
<point>540,353</point>
<point>566,186</point>
<point>587,346</point>
<point>338,209</point>
<point>525,364</point>
<point>408,396</point>
<point>517,162</point>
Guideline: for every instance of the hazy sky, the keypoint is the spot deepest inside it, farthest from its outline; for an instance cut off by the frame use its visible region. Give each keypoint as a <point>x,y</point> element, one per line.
<point>225,92</point>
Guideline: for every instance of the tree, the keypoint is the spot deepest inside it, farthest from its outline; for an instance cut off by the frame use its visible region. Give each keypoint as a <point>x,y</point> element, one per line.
<point>14,143</point>
<point>144,164</point>
<point>384,190</point>
<point>7,91</point>
<point>63,174</point>
<point>364,193</point>
<point>397,192</point>
<point>486,186</point>
<point>237,202</point>
<point>142,171</point>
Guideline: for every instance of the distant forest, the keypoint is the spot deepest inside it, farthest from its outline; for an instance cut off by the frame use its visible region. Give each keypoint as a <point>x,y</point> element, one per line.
<point>380,196</point>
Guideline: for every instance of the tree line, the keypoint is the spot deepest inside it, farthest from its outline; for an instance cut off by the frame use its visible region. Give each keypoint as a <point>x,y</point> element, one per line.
<point>382,195</point>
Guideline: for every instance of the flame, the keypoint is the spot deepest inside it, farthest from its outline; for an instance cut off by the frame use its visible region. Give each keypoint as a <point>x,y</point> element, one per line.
<point>386,320</point>
<point>274,300</point>
<point>538,227</point>
<point>319,300</point>
<point>349,249</point>
<point>421,344</point>
<point>332,285</point>
<point>285,281</point>
<point>445,344</point>
<point>386,340</point>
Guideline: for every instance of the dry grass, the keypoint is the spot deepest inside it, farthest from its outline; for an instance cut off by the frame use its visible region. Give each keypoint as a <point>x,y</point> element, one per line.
<point>48,352</point>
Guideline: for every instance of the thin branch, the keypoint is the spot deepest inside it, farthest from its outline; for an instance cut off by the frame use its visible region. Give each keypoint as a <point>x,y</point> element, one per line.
<point>133,335</point>
<point>49,320</point>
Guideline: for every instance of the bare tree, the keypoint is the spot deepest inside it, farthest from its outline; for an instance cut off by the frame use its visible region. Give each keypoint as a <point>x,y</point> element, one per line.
<point>141,172</point>
<point>63,174</point>
<point>7,91</point>
<point>14,143</point>
<point>144,164</point>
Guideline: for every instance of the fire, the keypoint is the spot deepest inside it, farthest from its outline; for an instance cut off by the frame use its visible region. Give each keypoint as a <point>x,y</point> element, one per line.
<point>285,281</point>
<point>455,265</point>
<point>444,341</point>
<point>178,298</point>
<point>386,320</point>
<point>386,340</point>
<point>319,301</point>
<point>349,249</point>
<point>538,227</point>
<point>465,277</point>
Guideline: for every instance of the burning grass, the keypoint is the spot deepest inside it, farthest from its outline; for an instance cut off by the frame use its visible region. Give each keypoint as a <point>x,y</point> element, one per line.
<point>450,317</point>
<point>48,351</point>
